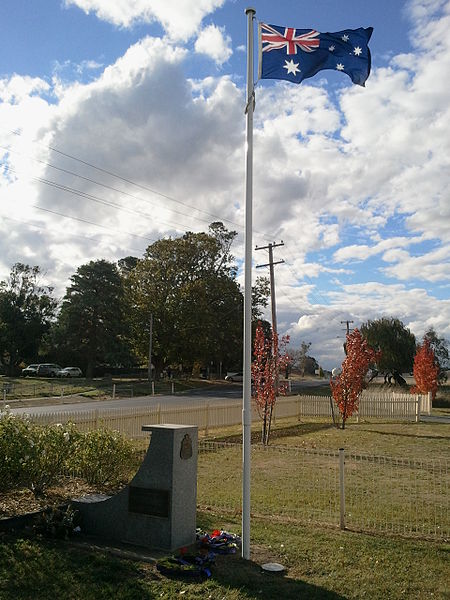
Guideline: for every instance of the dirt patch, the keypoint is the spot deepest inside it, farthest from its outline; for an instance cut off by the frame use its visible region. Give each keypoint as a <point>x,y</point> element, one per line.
<point>23,501</point>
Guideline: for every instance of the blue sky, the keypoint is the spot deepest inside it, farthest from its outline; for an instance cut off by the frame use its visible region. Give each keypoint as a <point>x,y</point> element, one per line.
<point>151,92</point>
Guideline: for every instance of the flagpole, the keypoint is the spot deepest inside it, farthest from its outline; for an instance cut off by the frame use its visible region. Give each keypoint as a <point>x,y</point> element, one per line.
<point>246,401</point>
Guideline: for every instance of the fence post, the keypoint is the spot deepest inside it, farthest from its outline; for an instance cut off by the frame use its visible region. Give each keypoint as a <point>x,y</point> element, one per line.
<point>153,388</point>
<point>207,420</point>
<point>342,487</point>
<point>4,396</point>
<point>417,407</point>
<point>430,403</point>
<point>96,415</point>
<point>114,391</point>
<point>159,413</point>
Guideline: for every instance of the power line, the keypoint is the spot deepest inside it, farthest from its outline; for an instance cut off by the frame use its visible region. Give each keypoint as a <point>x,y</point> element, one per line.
<point>129,181</point>
<point>70,234</point>
<point>95,198</point>
<point>106,186</point>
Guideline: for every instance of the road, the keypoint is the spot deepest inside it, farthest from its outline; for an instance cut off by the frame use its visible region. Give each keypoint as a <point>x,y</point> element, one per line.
<point>215,393</point>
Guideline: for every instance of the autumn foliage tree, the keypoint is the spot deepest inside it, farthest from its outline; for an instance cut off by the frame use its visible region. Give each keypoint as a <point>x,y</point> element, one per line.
<point>425,370</point>
<point>347,387</point>
<point>270,358</point>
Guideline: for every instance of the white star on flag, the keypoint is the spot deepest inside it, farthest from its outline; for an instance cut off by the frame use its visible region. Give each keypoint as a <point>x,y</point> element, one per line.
<point>357,51</point>
<point>291,67</point>
<point>345,37</point>
<point>331,48</point>
<point>340,67</point>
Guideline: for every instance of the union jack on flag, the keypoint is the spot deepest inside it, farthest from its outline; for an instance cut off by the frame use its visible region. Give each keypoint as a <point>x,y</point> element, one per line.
<point>296,54</point>
<point>272,39</point>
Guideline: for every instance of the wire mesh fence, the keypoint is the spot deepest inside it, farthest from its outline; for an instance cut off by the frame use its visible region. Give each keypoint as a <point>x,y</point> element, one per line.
<point>371,493</point>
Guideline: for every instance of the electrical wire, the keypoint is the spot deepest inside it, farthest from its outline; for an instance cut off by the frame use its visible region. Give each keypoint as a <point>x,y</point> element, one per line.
<point>77,235</point>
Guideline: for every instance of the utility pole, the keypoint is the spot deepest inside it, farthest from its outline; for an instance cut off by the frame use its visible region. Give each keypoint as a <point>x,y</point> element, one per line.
<point>271,264</point>
<point>347,325</point>
<point>150,339</point>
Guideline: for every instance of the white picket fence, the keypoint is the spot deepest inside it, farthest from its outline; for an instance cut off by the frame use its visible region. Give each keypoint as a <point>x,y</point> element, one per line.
<point>209,416</point>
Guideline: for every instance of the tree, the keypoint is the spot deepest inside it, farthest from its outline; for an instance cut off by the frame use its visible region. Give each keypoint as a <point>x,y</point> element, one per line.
<point>270,358</point>
<point>395,342</point>
<point>26,313</point>
<point>91,325</point>
<point>426,370</point>
<point>301,361</point>
<point>347,387</point>
<point>441,356</point>
<point>189,286</point>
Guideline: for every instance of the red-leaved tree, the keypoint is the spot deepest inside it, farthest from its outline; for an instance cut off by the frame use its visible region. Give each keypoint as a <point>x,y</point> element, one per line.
<point>425,370</point>
<point>270,358</point>
<point>347,387</point>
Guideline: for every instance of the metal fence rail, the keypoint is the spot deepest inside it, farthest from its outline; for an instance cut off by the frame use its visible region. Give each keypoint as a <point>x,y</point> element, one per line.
<point>356,491</point>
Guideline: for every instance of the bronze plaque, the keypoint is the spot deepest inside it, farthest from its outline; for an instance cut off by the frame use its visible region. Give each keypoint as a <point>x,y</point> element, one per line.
<point>154,503</point>
<point>186,447</point>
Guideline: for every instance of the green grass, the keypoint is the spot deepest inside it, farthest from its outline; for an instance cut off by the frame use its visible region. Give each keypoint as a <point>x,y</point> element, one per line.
<point>396,476</point>
<point>321,564</point>
<point>287,490</point>
<point>38,387</point>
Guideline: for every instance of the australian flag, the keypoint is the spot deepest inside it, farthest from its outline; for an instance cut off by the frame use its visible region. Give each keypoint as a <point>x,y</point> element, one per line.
<point>295,54</point>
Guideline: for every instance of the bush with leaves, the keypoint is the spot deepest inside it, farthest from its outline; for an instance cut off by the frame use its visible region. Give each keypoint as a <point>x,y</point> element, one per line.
<point>36,457</point>
<point>103,456</point>
<point>16,450</point>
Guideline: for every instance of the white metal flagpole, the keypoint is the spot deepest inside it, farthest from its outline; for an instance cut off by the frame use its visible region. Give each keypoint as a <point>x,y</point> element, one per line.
<point>246,402</point>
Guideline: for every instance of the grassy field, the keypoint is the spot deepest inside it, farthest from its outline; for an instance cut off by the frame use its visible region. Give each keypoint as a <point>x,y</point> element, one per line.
<point>396,474</point>
<point>321,564</point>
<point>38,387</point>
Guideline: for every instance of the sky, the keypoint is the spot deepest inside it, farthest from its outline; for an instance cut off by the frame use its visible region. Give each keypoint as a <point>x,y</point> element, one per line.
<point>123,122</point>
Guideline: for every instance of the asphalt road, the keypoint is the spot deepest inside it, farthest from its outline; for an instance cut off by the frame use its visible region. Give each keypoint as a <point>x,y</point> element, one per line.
<point>216,393</point>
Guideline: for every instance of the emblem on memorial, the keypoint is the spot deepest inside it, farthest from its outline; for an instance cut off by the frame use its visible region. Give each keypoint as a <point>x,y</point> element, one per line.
<point>186,447</point>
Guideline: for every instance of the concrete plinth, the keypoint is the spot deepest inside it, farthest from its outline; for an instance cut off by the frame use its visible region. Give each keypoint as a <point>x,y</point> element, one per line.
<point>158,507</point>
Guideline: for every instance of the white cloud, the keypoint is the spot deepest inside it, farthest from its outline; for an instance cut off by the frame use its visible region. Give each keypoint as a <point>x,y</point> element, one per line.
<point>432,266</point>
<point>180,18</point>
<point>363,251</point>
<point>215,43</point>
<point>17,88</point>
<point>374,157</point>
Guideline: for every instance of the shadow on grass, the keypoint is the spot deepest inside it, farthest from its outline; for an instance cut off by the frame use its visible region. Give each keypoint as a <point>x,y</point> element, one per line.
<point>249,578</point>
<point>410,435</point>
<point>278,433</point>
<point>39,569</point>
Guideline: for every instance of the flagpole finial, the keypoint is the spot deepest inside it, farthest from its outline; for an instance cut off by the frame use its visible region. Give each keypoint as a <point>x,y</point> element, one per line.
<point>250,10</point>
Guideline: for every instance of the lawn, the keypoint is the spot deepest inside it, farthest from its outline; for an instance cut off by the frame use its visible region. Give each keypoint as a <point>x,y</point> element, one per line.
<point>25,389</point>
<point>321,564</point>
<point>292,478</point>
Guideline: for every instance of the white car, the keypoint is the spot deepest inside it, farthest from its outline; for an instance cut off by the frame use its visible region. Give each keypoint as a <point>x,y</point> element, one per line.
<point>234,377</point>
<point>70,372</point>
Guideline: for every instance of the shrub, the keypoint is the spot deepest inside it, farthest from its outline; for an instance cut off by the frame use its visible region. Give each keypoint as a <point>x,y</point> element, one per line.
<point>103,456</point>
<point>35,456</point>
<point>16,450</point>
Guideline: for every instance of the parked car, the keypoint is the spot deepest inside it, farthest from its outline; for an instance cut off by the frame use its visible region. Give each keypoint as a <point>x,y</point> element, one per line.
<point>30,371</point>
<point>234,377</point>
<point>48,370</point>
<point>70,372</point>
